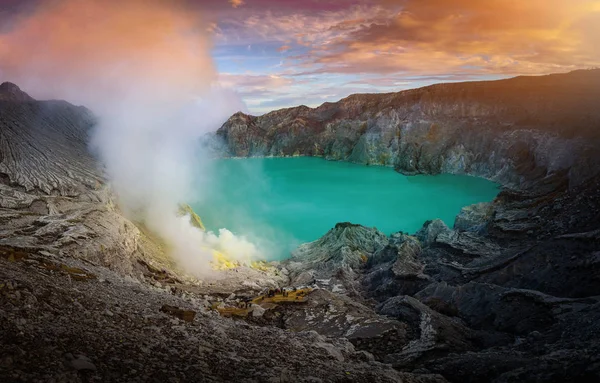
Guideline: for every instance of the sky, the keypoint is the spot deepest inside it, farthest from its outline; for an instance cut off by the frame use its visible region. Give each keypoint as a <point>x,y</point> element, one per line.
<point>283,53</point>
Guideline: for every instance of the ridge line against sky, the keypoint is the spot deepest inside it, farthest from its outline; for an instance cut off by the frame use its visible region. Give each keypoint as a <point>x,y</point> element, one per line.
<point>282,53</point>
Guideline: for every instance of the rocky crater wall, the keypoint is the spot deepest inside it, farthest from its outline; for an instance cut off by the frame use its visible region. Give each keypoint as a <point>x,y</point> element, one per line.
<point>522,132</point>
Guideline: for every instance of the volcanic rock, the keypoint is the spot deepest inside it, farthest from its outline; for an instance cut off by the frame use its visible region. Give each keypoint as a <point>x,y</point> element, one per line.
<point>334,260</point>
<point>185,315</point>
<point>510,293</point>
<point>11,92</point>
<point>522,132</point>
<point>474,217</point>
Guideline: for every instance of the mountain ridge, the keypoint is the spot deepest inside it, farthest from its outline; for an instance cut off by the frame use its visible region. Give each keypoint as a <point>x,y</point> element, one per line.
<point>502,130</point>
<point>11,92</point>
<point>578,72</point>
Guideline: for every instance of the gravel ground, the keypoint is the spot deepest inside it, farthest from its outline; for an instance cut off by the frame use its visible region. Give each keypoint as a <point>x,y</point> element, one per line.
<point>66,321</point>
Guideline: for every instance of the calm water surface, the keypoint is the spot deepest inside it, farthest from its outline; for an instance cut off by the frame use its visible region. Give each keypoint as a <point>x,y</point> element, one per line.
<point>282,202</point>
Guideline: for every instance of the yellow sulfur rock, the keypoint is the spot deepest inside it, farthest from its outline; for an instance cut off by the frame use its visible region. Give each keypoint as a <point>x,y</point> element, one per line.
<point>222,262</point>
<point>185,209</point>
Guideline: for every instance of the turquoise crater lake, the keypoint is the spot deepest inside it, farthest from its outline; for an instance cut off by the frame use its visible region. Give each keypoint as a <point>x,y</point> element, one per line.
<point>279,203</point>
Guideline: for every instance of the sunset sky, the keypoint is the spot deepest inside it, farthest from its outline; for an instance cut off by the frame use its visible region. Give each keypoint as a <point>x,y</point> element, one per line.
<point>279,53</point>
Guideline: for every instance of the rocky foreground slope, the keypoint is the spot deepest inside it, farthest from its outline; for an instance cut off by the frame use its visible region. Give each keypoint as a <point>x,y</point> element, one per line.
<point>514,131</point>
<point>510,293</point>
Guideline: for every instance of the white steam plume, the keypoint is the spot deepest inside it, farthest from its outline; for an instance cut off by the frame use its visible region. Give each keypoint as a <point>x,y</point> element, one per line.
<point>144,66</point>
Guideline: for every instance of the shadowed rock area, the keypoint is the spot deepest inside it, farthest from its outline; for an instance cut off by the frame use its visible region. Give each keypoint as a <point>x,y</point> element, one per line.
<point>510,293</point>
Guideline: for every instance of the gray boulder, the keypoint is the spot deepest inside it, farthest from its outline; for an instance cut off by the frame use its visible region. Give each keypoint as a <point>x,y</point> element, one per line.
<point>474,217</point>
<point>334,260</point>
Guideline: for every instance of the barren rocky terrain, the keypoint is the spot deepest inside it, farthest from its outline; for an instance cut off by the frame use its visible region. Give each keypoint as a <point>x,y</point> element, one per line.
<point>88,295</point>
<point>510,293</point>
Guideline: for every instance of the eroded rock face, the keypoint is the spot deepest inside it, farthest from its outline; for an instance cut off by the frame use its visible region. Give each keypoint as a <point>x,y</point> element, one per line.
<point>520,132</point>
<point>474,217</point>
<point>431,334</point>
<point>53,194</point>
<point>334,260</point>
<point>395,270</point>
<point>44,147</point>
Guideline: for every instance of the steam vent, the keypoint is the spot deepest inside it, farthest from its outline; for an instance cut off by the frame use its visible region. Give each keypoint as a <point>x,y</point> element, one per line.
<point>266,191</point>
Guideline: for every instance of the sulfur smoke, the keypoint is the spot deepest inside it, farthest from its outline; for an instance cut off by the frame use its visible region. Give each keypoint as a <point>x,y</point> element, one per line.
<point>144,67</point>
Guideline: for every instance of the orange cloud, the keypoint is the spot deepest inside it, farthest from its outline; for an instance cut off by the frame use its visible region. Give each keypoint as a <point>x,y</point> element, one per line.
<point>284,48</point>
<point>236,3</point>
<point>492,36</point>
<point>102,46</point>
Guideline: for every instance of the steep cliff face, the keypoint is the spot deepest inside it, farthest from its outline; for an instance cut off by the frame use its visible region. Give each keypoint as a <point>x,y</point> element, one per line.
<point>44,144</point>
<point>518,131</point>
<point>53,196</point>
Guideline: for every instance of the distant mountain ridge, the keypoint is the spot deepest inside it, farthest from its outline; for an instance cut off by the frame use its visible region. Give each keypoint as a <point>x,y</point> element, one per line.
<point>520,131</point>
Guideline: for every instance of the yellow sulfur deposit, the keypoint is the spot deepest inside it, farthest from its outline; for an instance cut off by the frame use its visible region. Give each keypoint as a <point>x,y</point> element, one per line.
<point>185,209</point>
<point>260,265</point>
<point>222,262</point>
